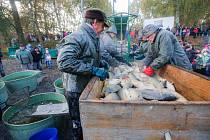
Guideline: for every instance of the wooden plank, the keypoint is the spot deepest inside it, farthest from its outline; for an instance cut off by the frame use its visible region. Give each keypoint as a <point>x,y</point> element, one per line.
<point>148,120</point>
<point>143,116</point>
<point>96,90</point>
<point>51,110</point>
<point>88,88</point>
<point>130,134</point>
<point>144,119</point>
<point>192,86</point>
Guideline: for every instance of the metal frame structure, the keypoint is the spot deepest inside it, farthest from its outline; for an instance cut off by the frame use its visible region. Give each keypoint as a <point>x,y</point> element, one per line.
<point>125,19</point>
<point>122,22</point>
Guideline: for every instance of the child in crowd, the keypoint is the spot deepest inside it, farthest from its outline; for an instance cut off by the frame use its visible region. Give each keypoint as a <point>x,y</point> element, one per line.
<point>48,59</point>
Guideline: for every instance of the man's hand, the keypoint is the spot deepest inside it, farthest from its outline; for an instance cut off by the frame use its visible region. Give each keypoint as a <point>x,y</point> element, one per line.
<point>100,72</point>
<point>149,71</point>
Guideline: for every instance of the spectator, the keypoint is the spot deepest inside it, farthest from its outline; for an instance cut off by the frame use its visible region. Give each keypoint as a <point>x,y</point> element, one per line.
<point>1,65</point>
<point>36,58</point>
<point>208,68</point>
<point>29,47</point>
<point>48,59</point>
<point>201,62</point>
<point>195,32</point>
<point>24,57</point>
<point>42,50</point>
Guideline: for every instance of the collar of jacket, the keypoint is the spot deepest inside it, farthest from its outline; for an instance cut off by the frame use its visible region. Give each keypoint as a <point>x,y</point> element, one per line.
<point>89,30</point>
<point>156,36</point>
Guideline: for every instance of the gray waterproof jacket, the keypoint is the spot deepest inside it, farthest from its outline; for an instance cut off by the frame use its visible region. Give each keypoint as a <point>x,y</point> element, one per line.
<point>108,47</point>
<point>24,56</point>
<point>166,50</point>
<point>143,48</point>
<point>78,53</point>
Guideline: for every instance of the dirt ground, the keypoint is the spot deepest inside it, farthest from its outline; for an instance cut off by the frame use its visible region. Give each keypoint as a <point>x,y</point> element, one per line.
<point>11,65</point>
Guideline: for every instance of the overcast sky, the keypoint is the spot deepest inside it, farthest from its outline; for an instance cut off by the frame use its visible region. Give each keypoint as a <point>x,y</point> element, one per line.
<point>121,5</point>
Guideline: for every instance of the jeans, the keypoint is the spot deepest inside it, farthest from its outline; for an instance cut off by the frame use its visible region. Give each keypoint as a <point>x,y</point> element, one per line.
<point>49,64</point>
<point>37,65</point>
<point>26,66</point>
<point>73,102</point>
<point>208,69</point>
<point>2,70</point>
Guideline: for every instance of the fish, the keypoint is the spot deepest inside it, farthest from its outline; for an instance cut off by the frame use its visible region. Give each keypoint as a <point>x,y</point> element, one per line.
<point>113,81</point>
<point>126,82</point>
<point>130,83</point>
<point>111,88</point>
<point>111,96</point>
<point>130,94</point>
<point>150,94</point>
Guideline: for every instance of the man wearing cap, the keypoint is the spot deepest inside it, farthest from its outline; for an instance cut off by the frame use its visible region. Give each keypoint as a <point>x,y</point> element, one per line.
<point>108,46</point>
<point>165,49</point>
<point>80,59</point>
<point>24,57</point>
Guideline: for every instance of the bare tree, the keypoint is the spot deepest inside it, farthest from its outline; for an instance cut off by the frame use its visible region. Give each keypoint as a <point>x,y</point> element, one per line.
<point>16,18</point>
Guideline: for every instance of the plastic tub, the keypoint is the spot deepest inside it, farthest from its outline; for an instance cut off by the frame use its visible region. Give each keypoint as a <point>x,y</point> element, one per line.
<point>46,134</point>
<point>19,80</point>
<point>24,131</point>
<point>12,51</point>
<point>53,53</point>
<point>3,95</point>
<point>58,84</point>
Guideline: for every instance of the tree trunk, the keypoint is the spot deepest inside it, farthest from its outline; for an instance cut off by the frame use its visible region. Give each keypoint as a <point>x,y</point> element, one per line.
<point>177,13</point>
<point>18,26</point>
<point>35,17</point>
<point>57,15</point>
<point>45,19</point>
<point>32,17</point>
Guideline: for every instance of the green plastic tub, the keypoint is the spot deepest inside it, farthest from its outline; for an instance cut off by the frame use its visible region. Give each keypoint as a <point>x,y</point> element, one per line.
<point>12,51</point>
<point>58,84</point>
<point>24,131</point>
<point>20,80</point>
<point>3,95</point>
<point>53,53</point>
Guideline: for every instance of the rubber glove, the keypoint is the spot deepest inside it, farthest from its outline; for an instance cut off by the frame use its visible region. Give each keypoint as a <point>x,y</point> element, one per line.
<point>100,72</point>
<point>149,71</point>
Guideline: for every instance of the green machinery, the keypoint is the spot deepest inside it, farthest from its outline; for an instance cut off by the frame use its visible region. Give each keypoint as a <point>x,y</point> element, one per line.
<point>123,22</point>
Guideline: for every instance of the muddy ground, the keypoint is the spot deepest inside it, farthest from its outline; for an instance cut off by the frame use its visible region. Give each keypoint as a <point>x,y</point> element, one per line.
<point>11,65</point>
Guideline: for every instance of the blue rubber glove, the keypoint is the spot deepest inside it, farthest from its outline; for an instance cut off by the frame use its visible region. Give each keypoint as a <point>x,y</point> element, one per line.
<point>104,64</point>
<point>100,72</point>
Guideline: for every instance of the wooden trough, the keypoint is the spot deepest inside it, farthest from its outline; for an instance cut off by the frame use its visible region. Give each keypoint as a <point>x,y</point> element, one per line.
<point>149,120</point>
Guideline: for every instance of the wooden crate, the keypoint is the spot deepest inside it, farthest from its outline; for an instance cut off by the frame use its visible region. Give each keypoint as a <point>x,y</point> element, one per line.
<point>149,120</point>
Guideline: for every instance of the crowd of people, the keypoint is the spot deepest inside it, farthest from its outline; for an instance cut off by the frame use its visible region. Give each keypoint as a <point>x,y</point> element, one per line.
<point>32,58</point>
<point>195,31</point>
<point>199,58</point>
<point>30,37</point>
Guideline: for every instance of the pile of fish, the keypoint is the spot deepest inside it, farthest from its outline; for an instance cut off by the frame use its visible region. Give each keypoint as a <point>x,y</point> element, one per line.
<point>130,83</point>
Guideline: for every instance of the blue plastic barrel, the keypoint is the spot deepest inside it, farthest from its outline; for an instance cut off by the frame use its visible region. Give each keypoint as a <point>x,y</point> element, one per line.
<point>46,134</point>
